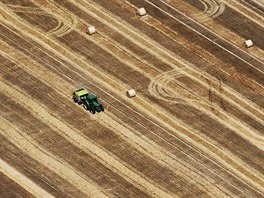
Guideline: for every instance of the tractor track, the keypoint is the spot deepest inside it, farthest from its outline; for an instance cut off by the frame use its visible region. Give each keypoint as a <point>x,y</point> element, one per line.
<point>212,9</point>
<point>76,157</point>
<point>60,88</point>
<point>33,170</point>
<point>231,35</point>
<point>152,31</point>
<point>25,143</point>
<point>244,31</point>
<point>74,36</point>
<point>88,44</point>
<point>238,17</point>
<point>23,181</point>
<point>53,105</point>
<point>127,147</point>
<point>9,187</point>
<point>167,13</point>
<point>202,74</point>
<point>255,6</point>
<point>215,171</point>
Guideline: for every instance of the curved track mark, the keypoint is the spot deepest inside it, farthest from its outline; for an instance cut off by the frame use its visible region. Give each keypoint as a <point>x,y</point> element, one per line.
<point>65,24</point>
<point>212,9</point>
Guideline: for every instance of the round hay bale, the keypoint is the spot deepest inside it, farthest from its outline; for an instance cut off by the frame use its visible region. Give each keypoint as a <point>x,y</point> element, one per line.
<point>248,43</point>
<point>131,93</point>
<point>91,30</point>
<point>141,12</point>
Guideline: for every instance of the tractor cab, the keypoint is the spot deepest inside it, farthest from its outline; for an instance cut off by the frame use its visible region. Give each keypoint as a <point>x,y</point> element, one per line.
<point>93,100</point>
<point>91,103</point>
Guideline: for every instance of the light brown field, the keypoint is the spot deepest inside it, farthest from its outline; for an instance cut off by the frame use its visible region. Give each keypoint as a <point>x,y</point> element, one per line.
<point>195,128</point>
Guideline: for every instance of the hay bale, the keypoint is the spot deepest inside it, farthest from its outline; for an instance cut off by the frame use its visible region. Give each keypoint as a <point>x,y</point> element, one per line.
<point>141,12</point>
<point>91,30</point>
<point>248,43</point>
<point>131,93</point>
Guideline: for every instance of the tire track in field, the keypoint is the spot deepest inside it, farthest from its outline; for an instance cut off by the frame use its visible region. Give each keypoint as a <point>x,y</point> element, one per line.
<point>62,89</point>
<point>207,35</point>
<point>254,117</point>
<point>145,144</point>
<point>19,178</point>
<point>239,7</point>
<point>65,23</point>
<point>95,72</point>
<point>63,16</point>
<point>91,169</point>
<point>255,5</point>
<point>212,9</point>
<point>256,139</point>
<point>11,50</point>
<point>108,180</point>
<point>111,47</point>
<point>10,188</point>
<point>149,46</point>
<point>25,143</point>
<point>26,63</point>
<point>231,35</point>
<point>160,88</point>
<point>116,166</point>
<point>260,120</point>
<point>208,82</point>
<point>226,115</point>
<point>246,132</point>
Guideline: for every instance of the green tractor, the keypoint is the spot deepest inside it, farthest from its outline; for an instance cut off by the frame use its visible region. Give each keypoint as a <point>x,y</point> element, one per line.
<point>89,101</point>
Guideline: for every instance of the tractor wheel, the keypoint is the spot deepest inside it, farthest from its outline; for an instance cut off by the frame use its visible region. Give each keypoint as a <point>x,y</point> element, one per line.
<point>74,99</point>
<point>93,111</point>
<point>102,108</point>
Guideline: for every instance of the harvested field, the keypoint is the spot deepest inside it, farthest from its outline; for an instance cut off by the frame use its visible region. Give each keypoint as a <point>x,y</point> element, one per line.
<point>194,129</point>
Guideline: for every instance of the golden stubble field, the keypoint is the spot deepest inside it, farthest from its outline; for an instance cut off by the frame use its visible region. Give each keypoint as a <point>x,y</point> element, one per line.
<point>195,128</point>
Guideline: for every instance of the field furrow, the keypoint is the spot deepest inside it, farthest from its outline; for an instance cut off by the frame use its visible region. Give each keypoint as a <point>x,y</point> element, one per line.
<point>194,129</point>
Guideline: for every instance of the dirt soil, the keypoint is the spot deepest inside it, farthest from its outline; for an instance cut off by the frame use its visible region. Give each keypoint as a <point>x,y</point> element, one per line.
<point>194,129</point>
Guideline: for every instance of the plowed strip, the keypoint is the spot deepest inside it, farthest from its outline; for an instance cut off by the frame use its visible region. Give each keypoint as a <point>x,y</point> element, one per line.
<point>138,159</point>
<point>62,149</point>
<point>27,144</point>
<point>38,83</point>
<point>170,44</point>
<point>8,188</point>
<point>239,24</point>
<point>35,171</point>
<point>44,73</point>
<point>105,158</point>
<point>22,180</point>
